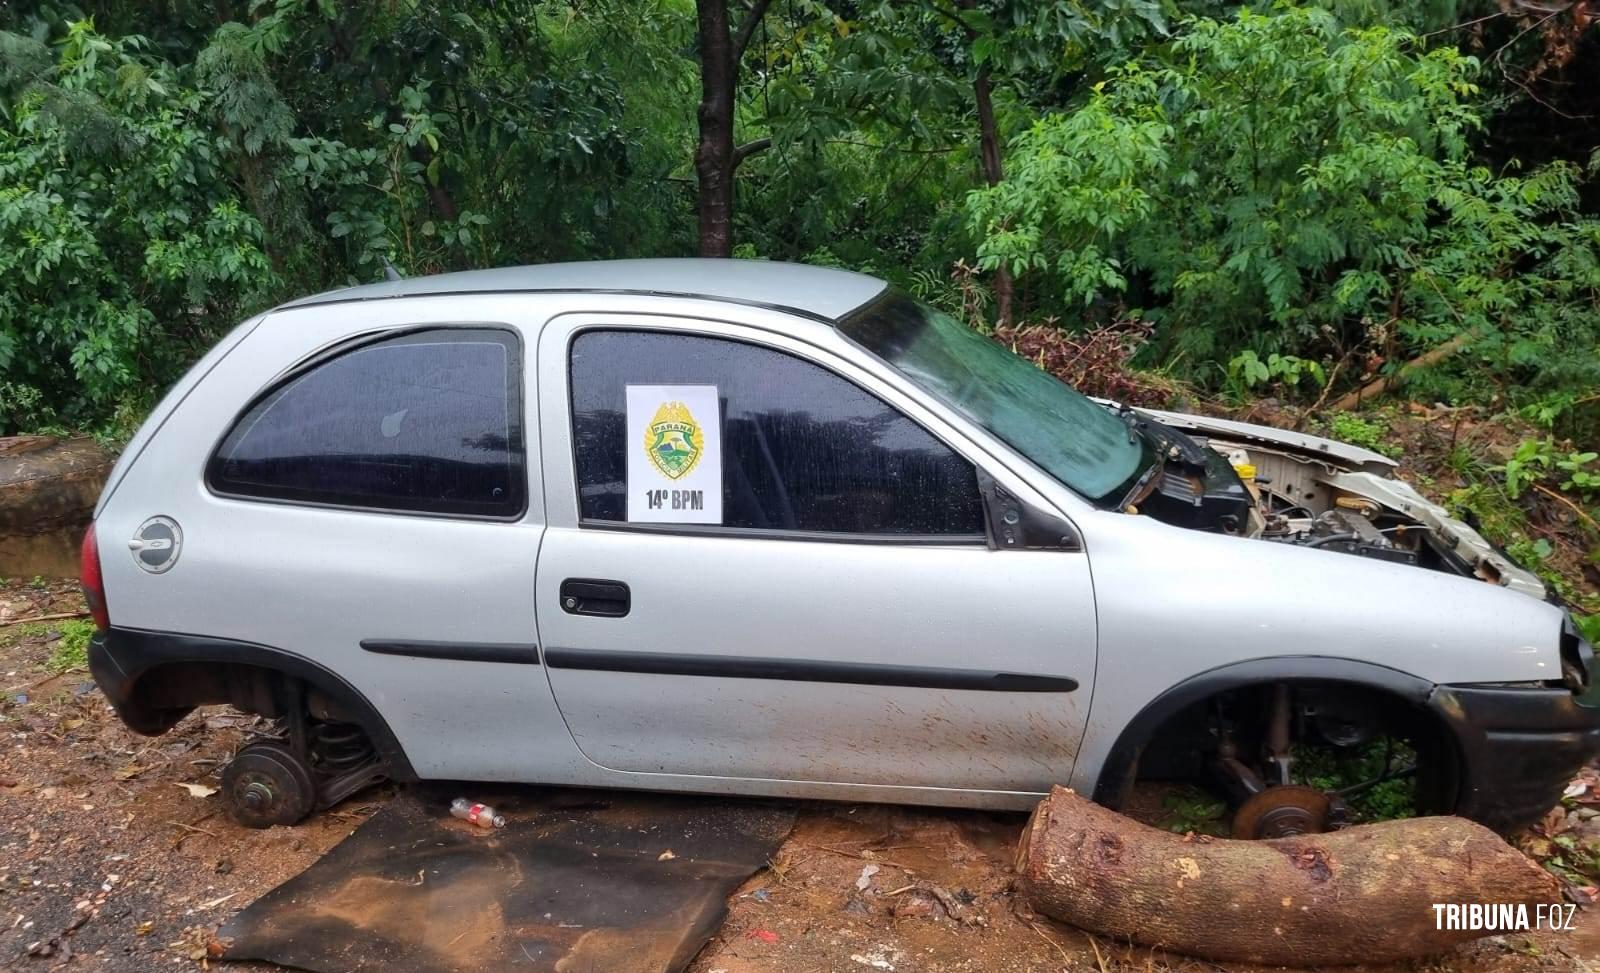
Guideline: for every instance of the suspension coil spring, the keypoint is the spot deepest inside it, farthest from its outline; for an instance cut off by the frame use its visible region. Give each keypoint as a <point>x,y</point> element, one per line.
<point>338,747</point>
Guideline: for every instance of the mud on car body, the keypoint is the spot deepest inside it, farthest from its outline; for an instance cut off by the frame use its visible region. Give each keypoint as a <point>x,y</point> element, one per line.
<point>754,528</point>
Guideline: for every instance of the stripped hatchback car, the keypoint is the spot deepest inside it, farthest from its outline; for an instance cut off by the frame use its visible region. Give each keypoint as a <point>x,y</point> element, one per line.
<point>754,528</point>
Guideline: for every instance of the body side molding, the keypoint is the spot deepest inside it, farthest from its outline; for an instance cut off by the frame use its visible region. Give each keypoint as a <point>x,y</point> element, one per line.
<point>506,652</point>
<point>806,670</point>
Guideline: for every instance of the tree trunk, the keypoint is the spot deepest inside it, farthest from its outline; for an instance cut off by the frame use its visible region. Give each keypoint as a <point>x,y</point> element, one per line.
<point>988,132</point>
<point>1364,894</point>
<point>993,172</point>
<point>713,157</point>
<point>438,196</point>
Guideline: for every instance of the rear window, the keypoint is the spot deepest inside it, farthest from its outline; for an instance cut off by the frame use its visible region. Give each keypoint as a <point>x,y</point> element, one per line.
<point>426,422</point>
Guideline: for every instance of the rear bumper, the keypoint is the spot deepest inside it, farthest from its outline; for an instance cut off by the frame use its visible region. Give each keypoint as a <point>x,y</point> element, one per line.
<point>116,674</point>
<point>1521,745</point>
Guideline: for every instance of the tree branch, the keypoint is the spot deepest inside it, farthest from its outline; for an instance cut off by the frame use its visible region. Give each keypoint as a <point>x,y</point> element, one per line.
<point>951,14</point>
<point>742,152</point>
<point>1461,26</point>
<point>1526,31</point>
<point>747,27</point>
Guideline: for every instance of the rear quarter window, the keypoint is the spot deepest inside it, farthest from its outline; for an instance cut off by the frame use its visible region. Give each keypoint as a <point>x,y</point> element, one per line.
<point>424,422</point>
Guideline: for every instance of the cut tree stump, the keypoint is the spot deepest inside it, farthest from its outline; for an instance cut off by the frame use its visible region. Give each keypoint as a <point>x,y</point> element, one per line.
<point>1361,895</point>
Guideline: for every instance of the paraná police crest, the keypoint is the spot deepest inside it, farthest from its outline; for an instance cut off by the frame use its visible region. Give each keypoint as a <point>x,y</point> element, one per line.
<point>672,440</point>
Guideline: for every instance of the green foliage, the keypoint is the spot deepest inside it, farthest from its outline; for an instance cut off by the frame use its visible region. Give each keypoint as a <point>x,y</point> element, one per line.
<point>124,248</point>
<point>69,650</point>
<point>1340,769</point>
<point>1494,500</point>
<point>1589,625</point>
<point>1280,184</point>
<point>1574,857</point>
<point>1292,198</point>
<point>1187,809</point>
<point>146,206</point>
<point>1538,459</point>
<point>1247,371</point>
<point>1364,431</point>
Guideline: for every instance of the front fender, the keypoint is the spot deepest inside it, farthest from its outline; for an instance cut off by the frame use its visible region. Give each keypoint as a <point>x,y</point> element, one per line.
<point>1117,770</point>
<point>1173,604</point>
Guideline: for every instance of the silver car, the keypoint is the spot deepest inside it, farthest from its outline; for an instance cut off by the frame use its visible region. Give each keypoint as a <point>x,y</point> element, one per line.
<point>755,528</point>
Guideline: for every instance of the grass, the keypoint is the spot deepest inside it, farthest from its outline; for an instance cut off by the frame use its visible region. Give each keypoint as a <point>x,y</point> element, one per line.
<point>71,651</point>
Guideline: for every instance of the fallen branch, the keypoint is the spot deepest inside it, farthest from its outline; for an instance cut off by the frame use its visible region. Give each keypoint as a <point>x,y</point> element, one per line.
<point>862,857</point>
<point>1382,383</point>
<point>45,618</point>
<point>189,829</point>
<point>1361,895</point>
<point>1066,961</point>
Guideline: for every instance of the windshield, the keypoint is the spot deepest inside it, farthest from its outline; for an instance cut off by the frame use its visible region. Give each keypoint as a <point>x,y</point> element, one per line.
<point>1078,442</point>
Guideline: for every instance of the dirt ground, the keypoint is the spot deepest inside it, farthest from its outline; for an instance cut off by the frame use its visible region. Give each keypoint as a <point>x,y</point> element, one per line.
<point>115,856</point>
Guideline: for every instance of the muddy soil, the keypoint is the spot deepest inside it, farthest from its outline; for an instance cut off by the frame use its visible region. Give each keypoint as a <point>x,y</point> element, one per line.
<point>107,860</point>
<point>114,857</point>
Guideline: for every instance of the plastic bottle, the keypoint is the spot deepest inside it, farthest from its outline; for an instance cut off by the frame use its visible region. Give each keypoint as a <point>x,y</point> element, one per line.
<point>481,815</point>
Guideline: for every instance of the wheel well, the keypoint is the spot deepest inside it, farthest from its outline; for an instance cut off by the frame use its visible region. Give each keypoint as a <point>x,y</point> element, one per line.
<point>167,692</point>
<point>1398,697</point>
<point>181,686</point>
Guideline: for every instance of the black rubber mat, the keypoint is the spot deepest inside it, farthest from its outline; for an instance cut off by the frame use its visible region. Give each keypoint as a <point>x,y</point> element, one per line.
<point>587,880</point>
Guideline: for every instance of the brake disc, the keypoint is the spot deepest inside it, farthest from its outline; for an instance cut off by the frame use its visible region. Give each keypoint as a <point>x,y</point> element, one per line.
<point>1292,809</point>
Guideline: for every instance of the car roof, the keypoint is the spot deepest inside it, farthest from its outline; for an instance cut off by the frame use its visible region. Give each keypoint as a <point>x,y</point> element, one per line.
<point>822,292</point>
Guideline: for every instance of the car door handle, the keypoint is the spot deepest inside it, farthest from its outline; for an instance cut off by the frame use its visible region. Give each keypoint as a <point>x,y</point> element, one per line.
<point>588,596</point>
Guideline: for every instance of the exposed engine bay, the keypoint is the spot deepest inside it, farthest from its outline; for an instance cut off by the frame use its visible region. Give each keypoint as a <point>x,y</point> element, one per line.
<point>1292,488</point>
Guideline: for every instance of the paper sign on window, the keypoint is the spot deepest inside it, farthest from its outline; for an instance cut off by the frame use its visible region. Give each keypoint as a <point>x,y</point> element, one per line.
<point>674,454</point>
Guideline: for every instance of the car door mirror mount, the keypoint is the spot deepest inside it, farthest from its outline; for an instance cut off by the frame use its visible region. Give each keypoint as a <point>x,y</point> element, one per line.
<point>1014,525</point>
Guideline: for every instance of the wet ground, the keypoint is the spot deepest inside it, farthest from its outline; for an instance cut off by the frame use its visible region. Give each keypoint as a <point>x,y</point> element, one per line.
<point>114,855</point>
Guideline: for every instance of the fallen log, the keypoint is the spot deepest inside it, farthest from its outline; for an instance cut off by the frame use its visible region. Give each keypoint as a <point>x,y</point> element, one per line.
<point>48,485</point>
<point>1361,895</point>
<point>1381,384</point>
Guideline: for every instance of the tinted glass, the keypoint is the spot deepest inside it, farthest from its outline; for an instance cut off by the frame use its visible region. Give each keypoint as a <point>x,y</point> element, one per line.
<point>429,421</point>
<point>1079,442</point>
<point>802,448</point>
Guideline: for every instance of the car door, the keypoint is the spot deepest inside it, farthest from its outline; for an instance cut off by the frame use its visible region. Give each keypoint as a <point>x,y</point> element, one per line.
<point>814,598</point>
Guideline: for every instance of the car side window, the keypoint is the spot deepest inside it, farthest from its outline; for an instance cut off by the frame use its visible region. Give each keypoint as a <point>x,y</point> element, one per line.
<point>428,421</point>
<point>802,448</point>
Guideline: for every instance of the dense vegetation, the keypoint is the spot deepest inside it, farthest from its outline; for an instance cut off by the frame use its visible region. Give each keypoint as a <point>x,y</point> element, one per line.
<point>1229,201</point>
